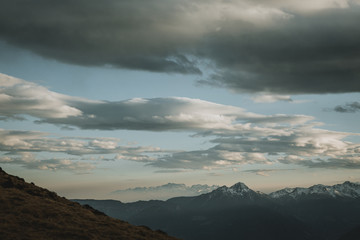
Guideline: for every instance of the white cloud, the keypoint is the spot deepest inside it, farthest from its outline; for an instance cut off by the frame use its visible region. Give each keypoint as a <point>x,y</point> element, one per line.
<point>21,97</point>
<point>30,161</point>
<point>302,145</point>
<point>31,150</point>
<point>267,98</point>
<point>239,136</point>
<point>265,172</point>
<point>156,114</point>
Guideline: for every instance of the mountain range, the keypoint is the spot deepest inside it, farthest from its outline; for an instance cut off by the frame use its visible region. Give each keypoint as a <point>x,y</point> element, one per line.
<point>162,192</point>
<point>316,213</point>
<point>31,212</point>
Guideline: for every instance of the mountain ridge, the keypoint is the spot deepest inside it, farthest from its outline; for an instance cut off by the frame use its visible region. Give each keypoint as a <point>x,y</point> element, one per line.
<point>346,189</point>
<point>161,192</point>
<point>196,187</point>
<point>316,213</point>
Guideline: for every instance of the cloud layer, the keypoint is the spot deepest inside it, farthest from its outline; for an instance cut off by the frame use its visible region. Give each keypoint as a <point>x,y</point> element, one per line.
<point>348,108</point>
<point>238,136</point>
<point>280,47</point>
<point>19,98</point>
<point>32,150</point>
<point>302,145</point>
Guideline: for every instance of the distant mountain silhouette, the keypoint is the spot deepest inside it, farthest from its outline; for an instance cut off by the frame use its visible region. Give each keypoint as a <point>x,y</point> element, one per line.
<point>162,192</point>
<point>344,190</point>
<point>31,212</point>
<point>237,212</point>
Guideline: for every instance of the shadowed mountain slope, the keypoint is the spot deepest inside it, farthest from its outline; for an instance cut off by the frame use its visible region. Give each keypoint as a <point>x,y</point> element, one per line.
<point>354,234</point>
<point>31,212</point>
<point>237,212</point>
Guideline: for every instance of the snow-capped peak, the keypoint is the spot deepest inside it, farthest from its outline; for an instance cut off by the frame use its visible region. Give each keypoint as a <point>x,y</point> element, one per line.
<point>236,190</point>
<point>346,189</point>
<point>240,186</point>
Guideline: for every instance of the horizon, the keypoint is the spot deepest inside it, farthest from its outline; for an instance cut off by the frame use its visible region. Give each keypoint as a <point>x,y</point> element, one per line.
<point>159,193</point>
<point>131,195</point>
<point>164,196</point>
<point>100,97</point>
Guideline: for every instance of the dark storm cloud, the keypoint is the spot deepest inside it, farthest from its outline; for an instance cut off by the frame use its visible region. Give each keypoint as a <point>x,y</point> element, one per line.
<point>318,53</point>
<point>348,108</point>
<point>280,47</point>
<point>120,33</point>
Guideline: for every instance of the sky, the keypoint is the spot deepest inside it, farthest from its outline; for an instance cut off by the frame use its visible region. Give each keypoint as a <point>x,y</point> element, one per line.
<point>101,96</point>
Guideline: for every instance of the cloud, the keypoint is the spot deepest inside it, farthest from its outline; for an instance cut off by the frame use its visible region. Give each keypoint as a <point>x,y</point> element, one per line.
<point>344,162</point>
<point>31,150</point>
<point>280,47</point>
<point>238,136</point>
<point>265,172</point>
<point>262,173</point>
<point>20,98</point>
<point>29,161</point>
<point>302,145</point>
<point>266,98</point>
<point>348,108</point>
<point>208,159</point>
<point>136,35</point>
<point>30,141</point>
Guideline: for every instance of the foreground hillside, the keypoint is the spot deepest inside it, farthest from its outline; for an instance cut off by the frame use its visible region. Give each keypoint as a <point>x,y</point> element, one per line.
<point>31,212</point>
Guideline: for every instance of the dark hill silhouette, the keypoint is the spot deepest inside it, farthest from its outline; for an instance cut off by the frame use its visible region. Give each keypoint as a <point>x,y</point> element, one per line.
<point>31,212</point>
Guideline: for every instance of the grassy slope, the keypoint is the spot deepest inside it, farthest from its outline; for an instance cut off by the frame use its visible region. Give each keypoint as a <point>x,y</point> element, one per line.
<point>31,212</point>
